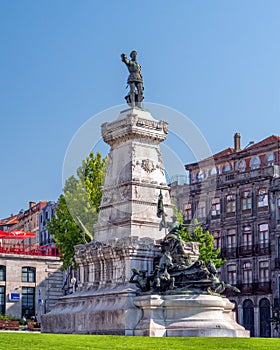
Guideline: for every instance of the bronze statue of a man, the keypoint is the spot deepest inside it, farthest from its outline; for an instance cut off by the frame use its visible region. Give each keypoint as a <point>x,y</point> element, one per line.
<point>135,80</point>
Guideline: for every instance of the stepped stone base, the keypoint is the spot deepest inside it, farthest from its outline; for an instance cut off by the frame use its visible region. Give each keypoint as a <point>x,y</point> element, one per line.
<point>181,315</point>
<point>108,311</point>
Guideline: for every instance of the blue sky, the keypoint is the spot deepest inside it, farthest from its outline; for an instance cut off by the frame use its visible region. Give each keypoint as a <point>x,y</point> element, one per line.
<point>217,62</point>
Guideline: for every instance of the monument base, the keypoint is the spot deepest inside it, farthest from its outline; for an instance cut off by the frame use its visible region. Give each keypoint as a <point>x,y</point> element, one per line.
<point>187,315</point>
<point>107,311</point>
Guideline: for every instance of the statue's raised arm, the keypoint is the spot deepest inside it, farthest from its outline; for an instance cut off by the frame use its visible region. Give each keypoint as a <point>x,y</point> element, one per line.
<point>135,80</point>
<point>124,59</point>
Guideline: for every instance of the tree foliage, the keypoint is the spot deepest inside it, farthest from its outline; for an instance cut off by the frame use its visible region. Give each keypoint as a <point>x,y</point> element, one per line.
<point>207,251</point>
<point>77,209</point>
<point>65,232</point>
<point>195,233</point>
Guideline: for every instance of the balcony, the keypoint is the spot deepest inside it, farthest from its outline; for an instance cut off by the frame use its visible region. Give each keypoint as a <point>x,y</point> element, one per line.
<point>245,250</point>
<point>246,288</point>
<point>28,249</point>
<point>262,249</point>
<point>215,217</point>
<point>262,287</point>
<point>230,252</point>
<point>248,176</point>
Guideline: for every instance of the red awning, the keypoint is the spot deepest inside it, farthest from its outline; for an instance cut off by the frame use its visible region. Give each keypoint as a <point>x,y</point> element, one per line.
<point>2,233</point>
<point>16,234</point>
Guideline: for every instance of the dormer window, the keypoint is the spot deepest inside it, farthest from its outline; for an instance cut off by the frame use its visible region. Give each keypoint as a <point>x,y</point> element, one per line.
<point>213,171</point>
<point>241,165</point>
<point>227,167</point>
<point>270,159</point>
<point>200,176</point>
<point>255,163</point>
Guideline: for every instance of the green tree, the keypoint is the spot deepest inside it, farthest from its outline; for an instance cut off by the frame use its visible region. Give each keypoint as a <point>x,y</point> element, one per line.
<point>77,209</point>
<point>66,233</point>
<point>207,250</point>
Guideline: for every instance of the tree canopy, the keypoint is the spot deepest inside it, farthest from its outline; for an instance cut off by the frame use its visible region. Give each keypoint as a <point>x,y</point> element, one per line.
<point>195,233</point>
<point>207,251</point>
<point>77,209</point>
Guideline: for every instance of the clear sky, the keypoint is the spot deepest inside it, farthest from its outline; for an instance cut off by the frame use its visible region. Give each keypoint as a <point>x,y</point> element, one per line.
<point>217,62</point>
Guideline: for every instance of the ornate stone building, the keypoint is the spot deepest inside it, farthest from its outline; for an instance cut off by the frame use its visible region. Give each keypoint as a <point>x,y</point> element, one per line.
<point>238,201</point>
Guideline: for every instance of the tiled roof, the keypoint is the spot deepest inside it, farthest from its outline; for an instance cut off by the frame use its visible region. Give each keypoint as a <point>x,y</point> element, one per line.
<point>9,221</point>
<point>270,140</point>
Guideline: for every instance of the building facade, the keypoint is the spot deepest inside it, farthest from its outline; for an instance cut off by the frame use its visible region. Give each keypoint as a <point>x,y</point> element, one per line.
<point>29,285</point>
<point>31,279</point>
<point>45,216</point>
<point>236,196</point>
<point>29,220</point>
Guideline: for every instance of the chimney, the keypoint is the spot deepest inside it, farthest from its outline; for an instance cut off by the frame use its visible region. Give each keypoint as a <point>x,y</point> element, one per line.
<point>31,204</point>
<point>237,137</point>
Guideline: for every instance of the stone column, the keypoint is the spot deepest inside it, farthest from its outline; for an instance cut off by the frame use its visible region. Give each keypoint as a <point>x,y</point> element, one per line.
<point>135,175</point>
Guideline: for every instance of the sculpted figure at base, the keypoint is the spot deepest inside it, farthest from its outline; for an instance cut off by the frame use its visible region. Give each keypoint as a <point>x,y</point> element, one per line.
<point>176,272</point>
<point>135,80</point>
<point>141,280</point>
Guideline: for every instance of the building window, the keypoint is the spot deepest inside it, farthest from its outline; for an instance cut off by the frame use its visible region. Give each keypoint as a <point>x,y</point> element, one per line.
<point>217,239</point>
<point>270,159</point>
<point>28,274</point>
<point>264,271</point>
<point>187,213</point>
<point>247,236</point>
<point>263,235</point>
<point>255,163</point>
<point>2,300</point>
<point>230,203</point>
<point>241,165</point>
<point>28,302</point>
<point>231,269</point>
<point>200,176</point>
<point>227,168</point>
<point>2,273</point>
<point>213,171</point>
<point>201,209</point>
<point>247,273</point>
<point>262,198</point>
<point>246,200</point>
<point>231,238</point>
<point>215,207</point>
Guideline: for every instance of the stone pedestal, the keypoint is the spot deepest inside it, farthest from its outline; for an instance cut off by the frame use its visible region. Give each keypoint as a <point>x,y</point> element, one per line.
<point>126,234</point>
<point>106,311</point>
<point>134,177</point>
<point>104,303</point>
<point>182,315</point>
